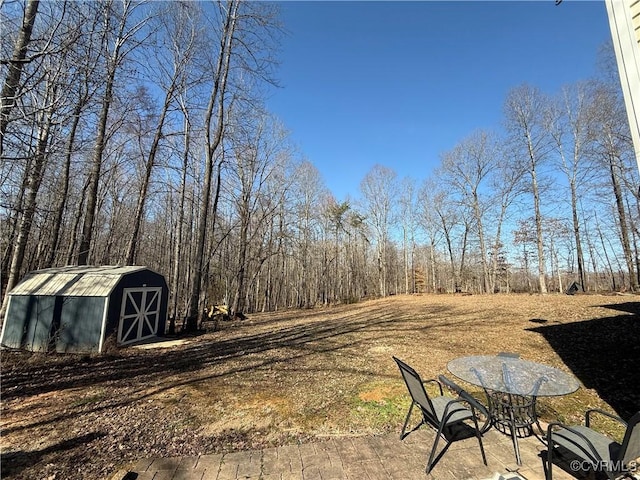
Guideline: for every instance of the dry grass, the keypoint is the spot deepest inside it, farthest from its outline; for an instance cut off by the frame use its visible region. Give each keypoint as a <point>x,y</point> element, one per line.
<point>294,375</point>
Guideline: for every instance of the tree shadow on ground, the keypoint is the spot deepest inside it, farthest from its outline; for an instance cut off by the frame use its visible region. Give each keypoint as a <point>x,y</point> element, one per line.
<point>604,354</point>
<point>148,372</point>
<point>12,463</point>
<point>285,343</point>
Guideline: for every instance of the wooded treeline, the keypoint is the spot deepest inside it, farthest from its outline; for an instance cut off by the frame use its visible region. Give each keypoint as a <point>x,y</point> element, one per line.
<point>136,133</point>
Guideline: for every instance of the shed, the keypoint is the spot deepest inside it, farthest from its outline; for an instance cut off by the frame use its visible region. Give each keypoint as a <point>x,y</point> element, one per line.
<point>75,309</point>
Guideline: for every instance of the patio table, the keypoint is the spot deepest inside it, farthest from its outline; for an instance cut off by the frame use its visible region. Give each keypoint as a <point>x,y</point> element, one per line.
<point>512,386</point>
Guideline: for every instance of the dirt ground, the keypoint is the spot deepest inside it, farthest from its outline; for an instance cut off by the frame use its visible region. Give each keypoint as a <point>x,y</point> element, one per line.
<point>293,376</point>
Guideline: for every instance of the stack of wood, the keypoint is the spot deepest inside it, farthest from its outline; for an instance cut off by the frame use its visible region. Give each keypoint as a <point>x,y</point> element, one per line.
<point>218,311</point>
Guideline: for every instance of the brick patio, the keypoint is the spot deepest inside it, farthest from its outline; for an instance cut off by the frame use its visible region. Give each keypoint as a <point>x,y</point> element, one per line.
<point>361,458</point>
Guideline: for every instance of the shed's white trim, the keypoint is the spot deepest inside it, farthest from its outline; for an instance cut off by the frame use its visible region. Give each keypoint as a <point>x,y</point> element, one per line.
<point>103,330</point>
<point>6,317</point>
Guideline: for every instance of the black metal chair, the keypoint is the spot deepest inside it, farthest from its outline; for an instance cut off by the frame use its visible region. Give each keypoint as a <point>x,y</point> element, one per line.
<point>447,415</point>
<point>594,450</point>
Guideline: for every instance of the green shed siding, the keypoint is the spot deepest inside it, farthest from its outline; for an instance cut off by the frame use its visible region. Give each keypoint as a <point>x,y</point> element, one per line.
<point>81,324</point>
<point>32,330</point>
<point>14,332</point>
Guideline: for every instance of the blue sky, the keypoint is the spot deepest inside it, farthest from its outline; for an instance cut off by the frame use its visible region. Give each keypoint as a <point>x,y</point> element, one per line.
<point>398,83</point>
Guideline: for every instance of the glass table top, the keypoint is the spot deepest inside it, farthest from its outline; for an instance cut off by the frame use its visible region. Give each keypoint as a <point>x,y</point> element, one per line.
<point>513,375</point>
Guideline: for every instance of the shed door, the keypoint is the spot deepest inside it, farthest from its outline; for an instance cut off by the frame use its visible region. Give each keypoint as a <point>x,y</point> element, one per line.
<point>140,314</point>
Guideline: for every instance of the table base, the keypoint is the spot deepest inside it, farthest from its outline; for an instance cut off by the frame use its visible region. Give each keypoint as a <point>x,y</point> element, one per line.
<point>514,415</point>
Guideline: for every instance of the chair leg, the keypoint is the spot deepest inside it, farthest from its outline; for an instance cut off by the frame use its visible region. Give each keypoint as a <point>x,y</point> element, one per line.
<point>432,454</point>
<point>440,434</point>
<point>406,422</point>
<point>547,474</point>
<point>434,448</point>
<point>479,437</point>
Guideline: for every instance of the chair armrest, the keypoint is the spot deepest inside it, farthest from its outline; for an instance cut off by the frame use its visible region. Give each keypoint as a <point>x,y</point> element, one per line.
<point>473,405</point>
<point>462,393</point>
<point>550,432</point>
<point>449,384</point>
<point>465,397</point>
<point>587,416</point>
<point>433,380</point>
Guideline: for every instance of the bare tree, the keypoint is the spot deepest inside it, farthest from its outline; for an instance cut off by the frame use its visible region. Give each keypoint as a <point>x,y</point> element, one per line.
<point>611,145</point>
<point>444,219</point>
<point>525,236</point>
<point>408,221</point>
<point>33,186</point>
<point>569,125</point>
<point>525,110</point>
<point>178,32</point>
<point>378,190</point>
<point>11,83</point>
<point>307,190</point>
<point>507,186</point>
<point>430,223</point>
<point>40,52</point>
<point>466,168</point>
<point>214,128</point>
<point>121,40</point>
<point>81,66</point>
<point>259,153</point>
<point>179,238</point>
<point>43,108</point>
<point>244,41</point>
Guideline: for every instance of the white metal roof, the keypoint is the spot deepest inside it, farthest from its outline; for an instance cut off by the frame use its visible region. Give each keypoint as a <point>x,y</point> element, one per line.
<point>81,281</point>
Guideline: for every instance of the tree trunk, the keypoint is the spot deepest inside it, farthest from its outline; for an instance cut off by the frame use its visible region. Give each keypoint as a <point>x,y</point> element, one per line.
<point>11,83</point>
<point>542,282</point>
<point>483,248</point>
<point>211,149</point>
<point>96,162</point>
<point>606,256</point>
<point>177,255</point>
<point>29,208</point>
<point>576,233</point>
<point>238,301</point>
<point>144,188</point>
<point>75,231</point>
<point>57,224</point>
<point>622,218</point>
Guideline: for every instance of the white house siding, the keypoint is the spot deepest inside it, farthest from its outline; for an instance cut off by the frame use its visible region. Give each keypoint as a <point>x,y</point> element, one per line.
<point>624,21</point>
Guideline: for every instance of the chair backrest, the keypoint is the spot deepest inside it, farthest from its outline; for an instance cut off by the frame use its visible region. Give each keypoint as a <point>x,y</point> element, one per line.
<point>416,388</point>
<point>630,450</point>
